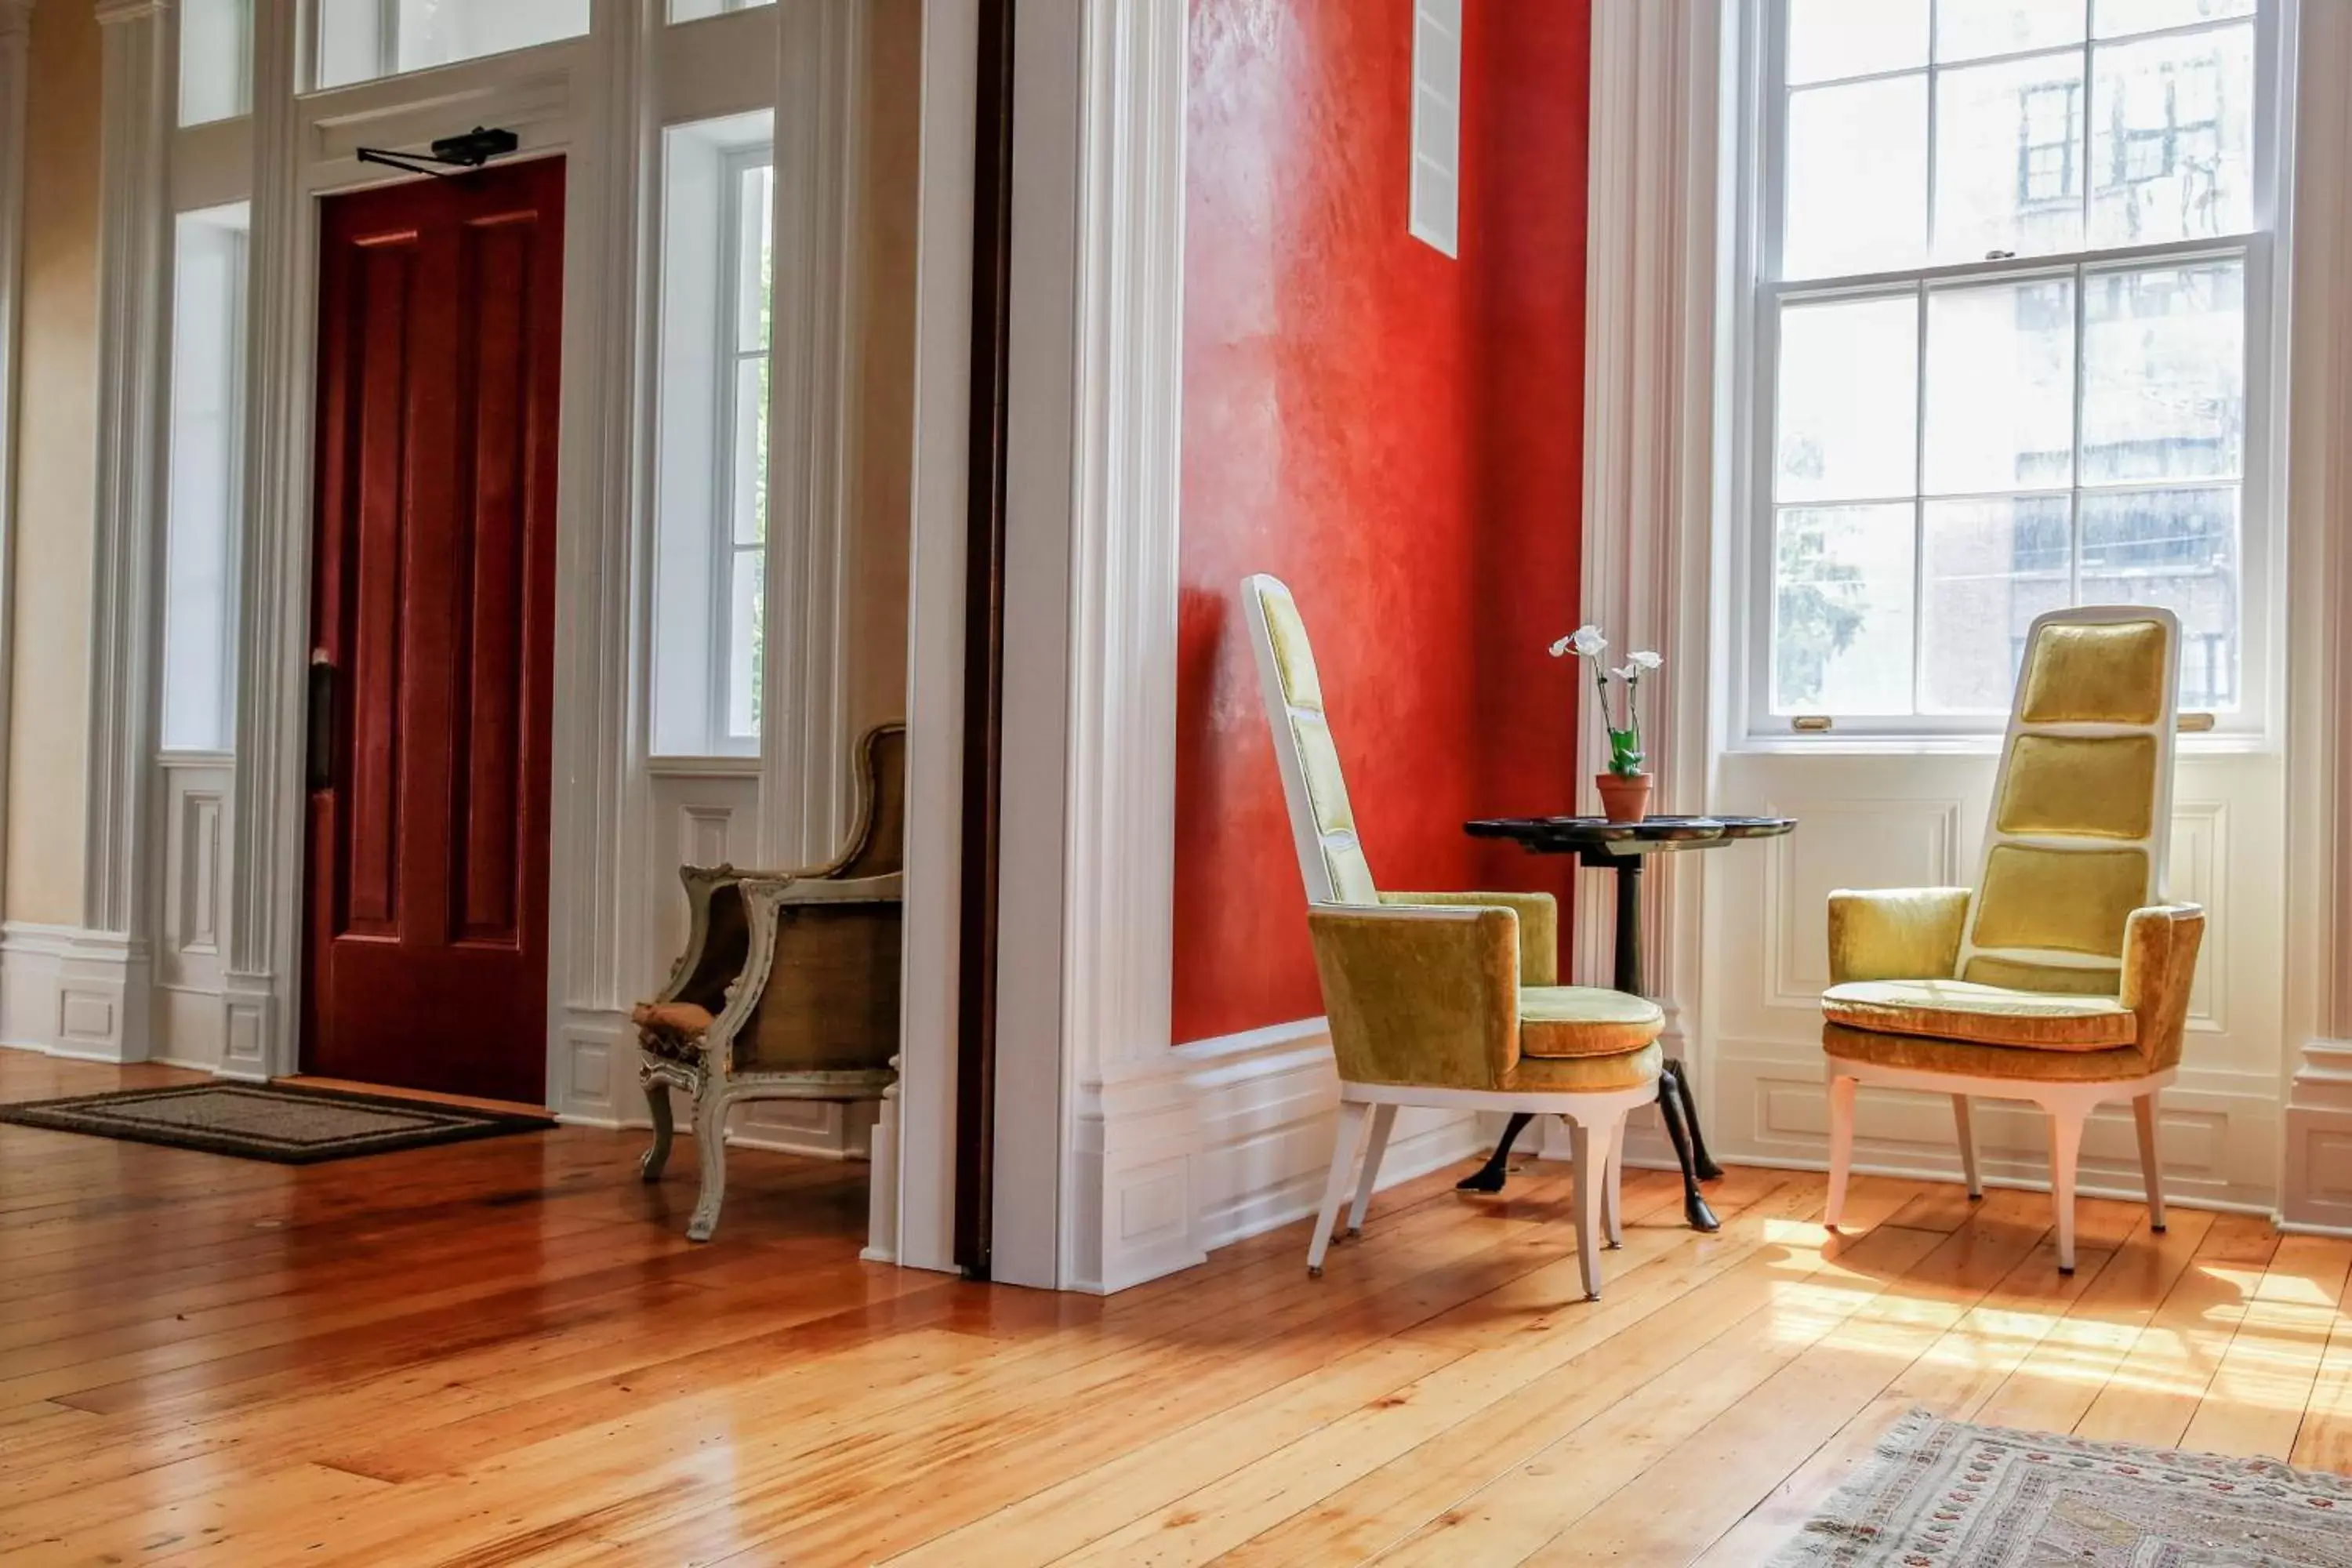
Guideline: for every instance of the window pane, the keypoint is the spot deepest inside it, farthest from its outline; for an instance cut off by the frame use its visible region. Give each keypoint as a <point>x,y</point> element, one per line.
<point>2009,158</point>
<point>2164,374</point>
<point>1842,610</point>
<point>754,238</point>
<point>2172,148</point>
<point>749,514</point>
<point>202,505</point>
<point>695,10</point>
<point>1972,29</point>
<point>2177,548</point>
<point>746,641</point>
<point>1829,38</point>
<point>360,40</point>
<point>1849,386</point>
<point>1991,567</point>
<point>1857,199</point>
<point>2111,18</point>
<point>2000,386</point>
<point>216,59</point>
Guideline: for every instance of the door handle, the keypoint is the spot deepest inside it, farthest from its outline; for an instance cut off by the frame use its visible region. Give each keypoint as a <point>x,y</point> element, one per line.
<point>319,746</point>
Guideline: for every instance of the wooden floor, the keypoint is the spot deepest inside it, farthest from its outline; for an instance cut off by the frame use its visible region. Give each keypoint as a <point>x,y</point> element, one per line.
<point>505,1353</point>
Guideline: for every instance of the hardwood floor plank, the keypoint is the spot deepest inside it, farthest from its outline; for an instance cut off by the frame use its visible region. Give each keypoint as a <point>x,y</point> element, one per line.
<point>505,1353</point>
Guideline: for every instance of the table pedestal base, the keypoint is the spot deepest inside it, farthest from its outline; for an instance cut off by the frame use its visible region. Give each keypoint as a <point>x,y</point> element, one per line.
<point>1680,1113</point>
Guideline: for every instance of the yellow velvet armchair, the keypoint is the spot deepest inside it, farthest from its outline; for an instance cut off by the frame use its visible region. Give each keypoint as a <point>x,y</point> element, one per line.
<point>1445,1000</point>
<point>2062,977</point>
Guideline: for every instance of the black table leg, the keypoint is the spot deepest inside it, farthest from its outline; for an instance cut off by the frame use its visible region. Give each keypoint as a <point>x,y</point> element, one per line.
<point>1489,1177</point>
<point>1708,1170</point>
<point>1670,1110</point>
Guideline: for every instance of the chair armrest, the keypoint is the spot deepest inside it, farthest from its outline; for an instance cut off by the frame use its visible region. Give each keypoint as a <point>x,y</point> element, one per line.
<point>819,992</point>
<point>1421,995</point>
<point>2160,945</point>
<point>1538,925</point>
<point>1896,933</point>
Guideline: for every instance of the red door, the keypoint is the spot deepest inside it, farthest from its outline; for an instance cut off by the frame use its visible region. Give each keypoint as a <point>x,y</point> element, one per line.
<point>440,312</point>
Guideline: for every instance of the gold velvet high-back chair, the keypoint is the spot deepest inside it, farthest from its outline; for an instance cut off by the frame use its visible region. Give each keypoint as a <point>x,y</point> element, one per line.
<point>1444,1000</point>
<point>788,988</point>
<point>2062,978</point>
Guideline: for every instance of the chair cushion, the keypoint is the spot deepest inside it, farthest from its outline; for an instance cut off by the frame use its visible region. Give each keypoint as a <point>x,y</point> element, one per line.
<point>1562,1021</point>
<point>672,1029</point>
<point>1587,1075</point>
<point>1982,1014</point>
<point>1917,1053</point>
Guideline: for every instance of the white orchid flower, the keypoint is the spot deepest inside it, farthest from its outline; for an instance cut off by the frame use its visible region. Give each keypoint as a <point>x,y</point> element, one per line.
<point>1587,642</point>
<point>1628,674</point>
<point>1646,660</point>
<point>1560,648</point>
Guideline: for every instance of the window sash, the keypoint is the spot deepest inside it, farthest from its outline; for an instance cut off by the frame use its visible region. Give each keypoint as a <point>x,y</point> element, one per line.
<point>739,251</point>
<point>1766,293</point>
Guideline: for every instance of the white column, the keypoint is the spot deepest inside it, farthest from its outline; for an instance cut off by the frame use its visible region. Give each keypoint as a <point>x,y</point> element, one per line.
<point>1088,1114</point>
<point>812,430</point>
<point>2316,1186</point>
<point>598,895</point>
<point>104,992</point>
<point>15,63</point>
<point>1649,441</point>
<point>273,586</point>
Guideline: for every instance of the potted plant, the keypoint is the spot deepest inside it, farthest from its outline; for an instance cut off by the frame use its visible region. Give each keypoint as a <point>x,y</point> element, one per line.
<point>1626,787</point>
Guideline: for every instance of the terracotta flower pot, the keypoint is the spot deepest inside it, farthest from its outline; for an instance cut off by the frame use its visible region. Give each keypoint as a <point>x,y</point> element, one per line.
<point>1624,797</point>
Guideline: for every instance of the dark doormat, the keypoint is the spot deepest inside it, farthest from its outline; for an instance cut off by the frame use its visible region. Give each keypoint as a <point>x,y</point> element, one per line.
<point>285,1125</point>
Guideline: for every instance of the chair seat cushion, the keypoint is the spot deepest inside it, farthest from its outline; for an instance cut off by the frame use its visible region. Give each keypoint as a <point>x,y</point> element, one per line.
<point>1982,1014</point>
<point>1587,1075</point>
<point>672,1029</point>
<point>1917,1053</point>
<point>1564,1021</point>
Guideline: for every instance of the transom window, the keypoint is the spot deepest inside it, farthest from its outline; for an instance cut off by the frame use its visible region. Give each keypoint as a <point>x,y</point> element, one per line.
<point>2009,315</point>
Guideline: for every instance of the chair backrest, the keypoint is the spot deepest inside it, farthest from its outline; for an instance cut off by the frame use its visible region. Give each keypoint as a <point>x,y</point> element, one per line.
<point>877,841</point>
<point>2082,809</point>
<point>1322,824</point>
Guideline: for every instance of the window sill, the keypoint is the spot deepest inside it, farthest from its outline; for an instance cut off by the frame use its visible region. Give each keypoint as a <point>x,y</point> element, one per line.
<point>2215,743</point>
<point>746,766</point>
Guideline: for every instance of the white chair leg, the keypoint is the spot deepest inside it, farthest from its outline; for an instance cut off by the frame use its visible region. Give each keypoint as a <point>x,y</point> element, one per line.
<point>2065,1144</point>
<point>1383,1118</point>
<point>1353,1115</point>
<point>1611,1209</point>
<point>1968,1146</point>
<point>1594,1146</point>
<point>710,1152</point>
<point>1842,1092</point>
<point>2150,1165</point>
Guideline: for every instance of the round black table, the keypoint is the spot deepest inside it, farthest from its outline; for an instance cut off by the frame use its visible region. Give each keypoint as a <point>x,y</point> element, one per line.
<point>1623,846</point>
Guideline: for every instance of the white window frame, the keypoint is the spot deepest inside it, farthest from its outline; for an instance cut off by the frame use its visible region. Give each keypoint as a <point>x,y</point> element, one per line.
<point>1755,161</point>
<point>690,669</point>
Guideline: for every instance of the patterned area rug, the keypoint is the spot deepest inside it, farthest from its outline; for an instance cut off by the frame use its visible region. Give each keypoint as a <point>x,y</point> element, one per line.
<point>268,1121</point>
<point>1943,1494</point>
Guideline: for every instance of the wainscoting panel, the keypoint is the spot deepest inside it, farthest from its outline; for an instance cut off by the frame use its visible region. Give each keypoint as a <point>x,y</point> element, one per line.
<point>1878,821</point>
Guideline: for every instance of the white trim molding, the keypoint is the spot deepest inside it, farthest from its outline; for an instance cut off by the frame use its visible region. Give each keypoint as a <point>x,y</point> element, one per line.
<point>142,76</point>
<point>16,77</point>
<point>813,413</point>
<point>2315,1190</point>
<point>1085,1122</point>
<point>1648,448</point>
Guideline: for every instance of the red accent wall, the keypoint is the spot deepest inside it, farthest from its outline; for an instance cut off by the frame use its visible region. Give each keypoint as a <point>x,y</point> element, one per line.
<point>1395,433</point>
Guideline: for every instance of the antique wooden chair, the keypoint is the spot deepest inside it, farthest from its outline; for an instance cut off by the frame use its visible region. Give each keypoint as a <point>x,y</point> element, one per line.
<point>788,988</point>
<point>1446,1000</point>
<point>2062,977</point>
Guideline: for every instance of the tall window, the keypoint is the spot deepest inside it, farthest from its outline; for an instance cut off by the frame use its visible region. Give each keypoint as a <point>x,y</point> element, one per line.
<point>711,511</point>
<point>203,501</point>
<point>360,40</point>
<point>2010,252</point>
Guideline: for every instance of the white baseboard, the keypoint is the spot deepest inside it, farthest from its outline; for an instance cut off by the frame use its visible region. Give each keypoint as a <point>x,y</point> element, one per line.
<point>1231,1138</point>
